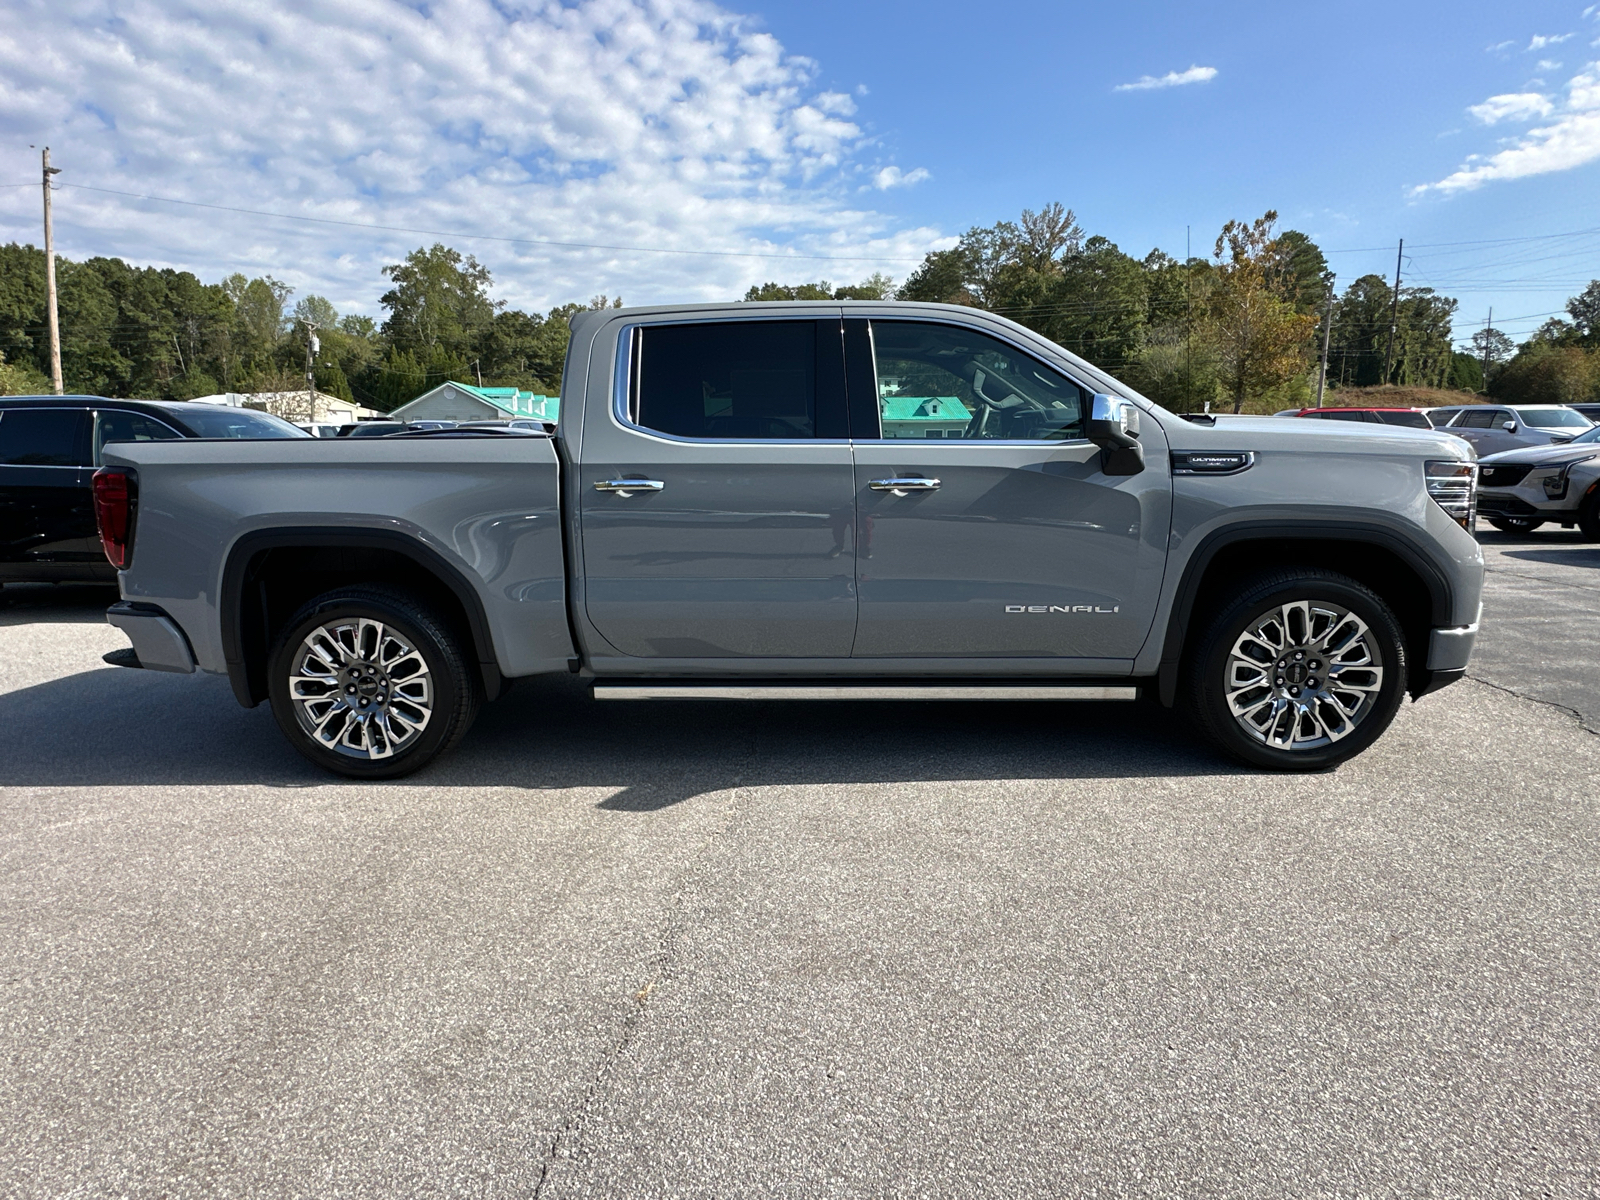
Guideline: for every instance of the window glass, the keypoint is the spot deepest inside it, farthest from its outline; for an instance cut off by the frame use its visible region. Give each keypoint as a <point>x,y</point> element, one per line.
<point>736,379</point>
<point>947,381</point>
<point>1477,418</point>
<point>1411,420</point>
<point>1554,418</point>
<point>1347,415</point>
<point>120,426</point>
<point>42,437</point>
<point>220,421</point>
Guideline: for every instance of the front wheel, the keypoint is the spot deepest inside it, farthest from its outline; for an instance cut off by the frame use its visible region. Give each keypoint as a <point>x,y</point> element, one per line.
<point>367,682</point>
<point>1516,524</point>
<point>1589,515</point>
<point>1301,671</point>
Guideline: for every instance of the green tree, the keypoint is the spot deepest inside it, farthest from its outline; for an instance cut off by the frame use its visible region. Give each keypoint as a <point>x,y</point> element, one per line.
<point>1546,374</point>
<point>440,300</point>
<point>1260,340</point>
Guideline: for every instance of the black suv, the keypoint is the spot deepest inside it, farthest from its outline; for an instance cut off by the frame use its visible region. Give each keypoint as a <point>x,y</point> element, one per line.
<point>49,448</point>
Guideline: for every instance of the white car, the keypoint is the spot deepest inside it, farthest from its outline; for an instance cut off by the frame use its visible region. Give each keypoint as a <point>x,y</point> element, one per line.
<point>1520,490</point>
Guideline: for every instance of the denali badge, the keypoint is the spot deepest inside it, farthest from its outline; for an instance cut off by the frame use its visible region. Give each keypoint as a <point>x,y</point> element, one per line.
<point>1062,608</point>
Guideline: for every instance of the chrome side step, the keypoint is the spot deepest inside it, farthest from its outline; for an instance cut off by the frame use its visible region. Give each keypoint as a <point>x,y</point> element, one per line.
<point>847,691</point>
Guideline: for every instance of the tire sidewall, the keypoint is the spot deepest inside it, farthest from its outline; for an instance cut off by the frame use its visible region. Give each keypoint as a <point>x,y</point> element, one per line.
<point>1589,516</point>
<point>447,699</point>
<point>1210,697</point>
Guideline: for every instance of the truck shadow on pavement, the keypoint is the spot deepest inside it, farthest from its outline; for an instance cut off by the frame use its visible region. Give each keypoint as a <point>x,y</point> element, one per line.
<point>139,728</point>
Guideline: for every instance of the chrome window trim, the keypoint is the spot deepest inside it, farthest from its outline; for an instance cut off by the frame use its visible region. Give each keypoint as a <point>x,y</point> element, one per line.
<point>623,374</point>
<point>47,466</point>
<point>999,337</point>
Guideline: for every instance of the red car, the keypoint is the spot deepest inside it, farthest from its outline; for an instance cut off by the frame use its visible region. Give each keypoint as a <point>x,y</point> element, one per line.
<point>1410,418</point>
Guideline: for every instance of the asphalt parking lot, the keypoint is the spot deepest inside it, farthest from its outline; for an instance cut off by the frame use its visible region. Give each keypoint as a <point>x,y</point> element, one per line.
<point>803,950</point>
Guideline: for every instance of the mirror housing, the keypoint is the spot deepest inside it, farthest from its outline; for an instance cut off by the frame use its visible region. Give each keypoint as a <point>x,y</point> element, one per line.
<point>1509,427</point>
<point>1114,427</point>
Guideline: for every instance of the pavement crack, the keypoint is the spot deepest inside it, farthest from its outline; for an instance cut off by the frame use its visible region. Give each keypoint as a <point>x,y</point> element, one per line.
<point>1563,708</point>
<point>660,971</point>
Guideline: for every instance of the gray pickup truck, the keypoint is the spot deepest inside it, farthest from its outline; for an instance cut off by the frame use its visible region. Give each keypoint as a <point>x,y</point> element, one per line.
<point>809,501</point>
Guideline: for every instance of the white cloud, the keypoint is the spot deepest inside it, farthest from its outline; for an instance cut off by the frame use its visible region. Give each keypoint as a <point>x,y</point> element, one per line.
<point>670,124</point>
<point>1547,64</point>
<point>1498,46</point>
<point>1540,41</point>
<point>891,177</point>
<point>1571,139</point>
<point>1516,106</point>
<point>1171,79</point>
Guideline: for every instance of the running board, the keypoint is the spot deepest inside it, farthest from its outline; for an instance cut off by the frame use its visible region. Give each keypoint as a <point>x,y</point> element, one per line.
<point>846,691</point>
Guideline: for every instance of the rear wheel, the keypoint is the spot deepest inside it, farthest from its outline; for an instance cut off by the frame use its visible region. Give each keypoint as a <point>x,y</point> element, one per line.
<point>1516,524</point>
<point>369,683</point>
<point>1301,671</point>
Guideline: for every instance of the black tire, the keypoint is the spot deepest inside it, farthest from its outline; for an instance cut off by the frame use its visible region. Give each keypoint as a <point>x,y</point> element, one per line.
<point>1207,667</point>
<point>452,689</point>
<point>1516,524</point>
<point>1589,515</point>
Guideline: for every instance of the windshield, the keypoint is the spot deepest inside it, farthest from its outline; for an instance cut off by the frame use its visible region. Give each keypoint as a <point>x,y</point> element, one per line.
<point>210,421</point>
<point>1553,418</point>
<point>1588,435</point>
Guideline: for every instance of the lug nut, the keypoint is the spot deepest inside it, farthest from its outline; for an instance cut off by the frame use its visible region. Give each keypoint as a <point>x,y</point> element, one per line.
<point>1311,683</point>
<point>1278,681</point>
<point>1299,654</point>
<point>363,704</point>
<point>1294,691</point>
<point>1315,664</point>
<point>351,689</point>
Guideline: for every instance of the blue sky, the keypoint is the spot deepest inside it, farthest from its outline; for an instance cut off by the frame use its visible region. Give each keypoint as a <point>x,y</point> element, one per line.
<point>801,140</point>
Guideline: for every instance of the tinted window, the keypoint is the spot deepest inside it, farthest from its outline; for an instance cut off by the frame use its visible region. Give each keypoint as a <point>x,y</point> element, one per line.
<point>1335,415</point>
<point>43,437</point>
<point>948,381</point>
<point>218,421</point>
<point>115,426</point>
<point>1411,420</point>
<point>743,379</point>
<point>1476,418</point>
<point>1554,418</point>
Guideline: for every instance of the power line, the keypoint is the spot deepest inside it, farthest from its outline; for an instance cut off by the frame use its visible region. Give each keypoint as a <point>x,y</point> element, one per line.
<point>489,237</point>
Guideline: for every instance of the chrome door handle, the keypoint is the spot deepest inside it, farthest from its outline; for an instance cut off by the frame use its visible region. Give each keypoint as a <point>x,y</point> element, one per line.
<point>623,487</point>
<point>901,486</point>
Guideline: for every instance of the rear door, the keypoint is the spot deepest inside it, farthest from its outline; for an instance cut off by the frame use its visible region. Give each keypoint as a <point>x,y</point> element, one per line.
<point>716,494</point>
<point>1484,428</point>
<point>987,528</point>
<point>46,511</point>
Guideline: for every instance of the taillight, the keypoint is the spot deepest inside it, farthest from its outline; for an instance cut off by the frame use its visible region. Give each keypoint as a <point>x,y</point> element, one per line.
<point>115,493</point>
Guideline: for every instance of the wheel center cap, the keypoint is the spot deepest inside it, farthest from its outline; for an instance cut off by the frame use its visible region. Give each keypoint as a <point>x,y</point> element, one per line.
<point>1296,673</point>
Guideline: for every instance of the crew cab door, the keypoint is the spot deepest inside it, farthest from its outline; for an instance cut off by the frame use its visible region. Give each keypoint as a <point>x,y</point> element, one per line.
<point>716,495</point>
<point>986,526</point>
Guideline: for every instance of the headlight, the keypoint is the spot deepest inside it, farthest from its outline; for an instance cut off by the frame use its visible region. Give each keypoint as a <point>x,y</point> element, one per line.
<point>1555,486</point>
<point>1453,486</point>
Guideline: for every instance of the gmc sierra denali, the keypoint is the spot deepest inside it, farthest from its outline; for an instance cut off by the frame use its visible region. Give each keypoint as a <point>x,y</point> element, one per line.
<point>855,500</point>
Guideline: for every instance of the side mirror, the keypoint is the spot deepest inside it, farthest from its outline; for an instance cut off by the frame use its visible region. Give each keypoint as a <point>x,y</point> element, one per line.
<point>1510,427</point>
<point>1114,427</point>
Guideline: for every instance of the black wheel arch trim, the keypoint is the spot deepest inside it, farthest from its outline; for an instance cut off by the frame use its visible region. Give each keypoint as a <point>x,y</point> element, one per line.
<point>1194,570</point>
<point>248,689</point>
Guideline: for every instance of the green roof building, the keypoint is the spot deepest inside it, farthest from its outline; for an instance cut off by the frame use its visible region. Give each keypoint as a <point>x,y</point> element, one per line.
<point>923,416</point>
<point>463,402</point>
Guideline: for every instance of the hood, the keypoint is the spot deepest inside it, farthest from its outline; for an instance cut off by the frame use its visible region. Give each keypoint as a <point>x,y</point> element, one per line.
<point>1322,437</point>
<point>1563,453</point>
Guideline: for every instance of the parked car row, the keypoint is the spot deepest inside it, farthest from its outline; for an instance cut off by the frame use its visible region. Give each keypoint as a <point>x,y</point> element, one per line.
<point>49,449</point>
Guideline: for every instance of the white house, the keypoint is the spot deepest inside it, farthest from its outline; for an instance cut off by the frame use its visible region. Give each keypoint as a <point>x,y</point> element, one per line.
<point>294,406</point>
<point>463,402</point>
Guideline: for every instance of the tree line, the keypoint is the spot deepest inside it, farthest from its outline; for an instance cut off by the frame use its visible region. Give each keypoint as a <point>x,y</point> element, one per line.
<point>156,333</point>
<point>1241,329</point>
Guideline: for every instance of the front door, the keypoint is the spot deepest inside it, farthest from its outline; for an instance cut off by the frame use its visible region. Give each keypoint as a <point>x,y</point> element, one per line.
<point>987,528</point>
<point>717,500</point>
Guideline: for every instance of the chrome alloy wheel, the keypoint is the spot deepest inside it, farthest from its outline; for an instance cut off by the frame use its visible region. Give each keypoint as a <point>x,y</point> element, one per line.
<point>1303,675</point>
<point>360,689</point>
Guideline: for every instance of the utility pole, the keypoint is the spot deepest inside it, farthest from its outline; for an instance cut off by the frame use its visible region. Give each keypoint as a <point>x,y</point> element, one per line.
<point>1188,321</point>
<point>1488,328</point>
<point>1327,335</point>
<point>1394,313</point>
<point>50,279</point>
<point>312,346</point>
